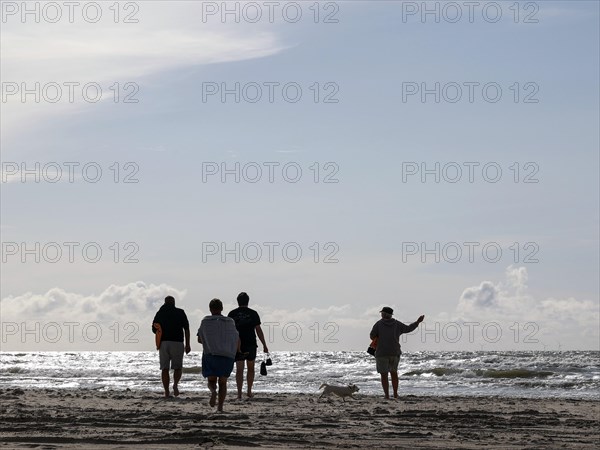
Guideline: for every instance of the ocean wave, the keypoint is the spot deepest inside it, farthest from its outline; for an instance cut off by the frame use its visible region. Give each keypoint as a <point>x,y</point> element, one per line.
<point>438,371</point>
<point>193,369</point>
<point>513,373</point>
<point>14,370</point>
<point>484,373</point>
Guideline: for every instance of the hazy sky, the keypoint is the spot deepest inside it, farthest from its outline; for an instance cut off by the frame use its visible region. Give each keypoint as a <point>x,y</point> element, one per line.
<point>358,155</point>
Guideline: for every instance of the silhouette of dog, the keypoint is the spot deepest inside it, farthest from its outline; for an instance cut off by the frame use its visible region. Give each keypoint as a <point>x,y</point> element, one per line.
<point>340,391</point>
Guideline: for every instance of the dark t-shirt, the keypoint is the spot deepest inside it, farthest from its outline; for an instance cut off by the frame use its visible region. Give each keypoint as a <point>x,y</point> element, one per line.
<point>172,321</point>
<point>388,332</point>
<point>246,320</point>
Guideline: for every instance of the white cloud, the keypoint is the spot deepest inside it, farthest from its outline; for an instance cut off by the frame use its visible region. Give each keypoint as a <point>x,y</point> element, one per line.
<point>65,56</point>
<point>134,303</point>
<point>115,303</point>
<point>305,314</point>
<point>165,38</point>
<point>568,320</point>
<point>29,321</point>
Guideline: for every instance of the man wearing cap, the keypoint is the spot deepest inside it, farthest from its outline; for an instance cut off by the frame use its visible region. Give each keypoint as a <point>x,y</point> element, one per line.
<point>387,355</point>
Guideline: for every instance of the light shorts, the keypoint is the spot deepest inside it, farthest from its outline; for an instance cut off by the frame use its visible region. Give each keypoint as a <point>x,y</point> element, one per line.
<point>171,351</point>
<point>387,364</point>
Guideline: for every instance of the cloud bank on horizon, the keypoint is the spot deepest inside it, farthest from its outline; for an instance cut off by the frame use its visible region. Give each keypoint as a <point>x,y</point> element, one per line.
<point>31,321</point>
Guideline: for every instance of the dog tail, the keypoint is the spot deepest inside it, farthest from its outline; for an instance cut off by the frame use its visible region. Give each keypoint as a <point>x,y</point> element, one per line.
<point>324,384</point>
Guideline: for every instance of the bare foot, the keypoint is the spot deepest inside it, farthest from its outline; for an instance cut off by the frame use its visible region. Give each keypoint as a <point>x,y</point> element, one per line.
<point>175,390</point>
<point>167,394</point>
<point>213,397</point>
<point>250,395</point>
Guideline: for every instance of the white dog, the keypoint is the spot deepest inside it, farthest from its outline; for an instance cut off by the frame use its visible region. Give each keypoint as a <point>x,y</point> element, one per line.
<point>340,391</point>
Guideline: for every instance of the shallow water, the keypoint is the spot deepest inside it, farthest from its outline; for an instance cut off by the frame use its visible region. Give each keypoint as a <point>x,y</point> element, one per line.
<point>506,374</point>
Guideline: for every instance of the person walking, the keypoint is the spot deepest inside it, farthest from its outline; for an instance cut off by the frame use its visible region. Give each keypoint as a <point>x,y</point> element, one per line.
<point>220,342</point>
<point>172,324</point>
<point>247,322</point>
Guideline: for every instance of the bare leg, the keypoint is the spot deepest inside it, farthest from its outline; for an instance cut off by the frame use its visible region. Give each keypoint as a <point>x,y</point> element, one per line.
<point>222,392</point>
<point>212,387</point>
<point>250,378</point>
<point>385,384</point>
<point>395,383</point>
<point>166,381</point>
<point>176,377</point>
<point>239,377</point>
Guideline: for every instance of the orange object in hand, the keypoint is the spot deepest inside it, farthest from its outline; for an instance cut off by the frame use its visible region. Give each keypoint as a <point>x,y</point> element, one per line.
<point>158,335</point>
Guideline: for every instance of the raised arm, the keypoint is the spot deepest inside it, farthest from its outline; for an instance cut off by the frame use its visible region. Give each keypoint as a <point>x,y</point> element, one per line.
<point>412,327</point>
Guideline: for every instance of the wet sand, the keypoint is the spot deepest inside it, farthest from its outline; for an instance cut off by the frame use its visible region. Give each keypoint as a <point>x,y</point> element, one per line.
<point>50,418</point>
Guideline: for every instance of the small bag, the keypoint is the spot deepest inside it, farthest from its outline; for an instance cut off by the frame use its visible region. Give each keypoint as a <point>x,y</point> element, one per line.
<point>268,361</point>
<point>372,347</point>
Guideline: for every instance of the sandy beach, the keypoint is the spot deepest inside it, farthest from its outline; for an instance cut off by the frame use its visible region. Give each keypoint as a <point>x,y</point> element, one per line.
<point>48,418</point>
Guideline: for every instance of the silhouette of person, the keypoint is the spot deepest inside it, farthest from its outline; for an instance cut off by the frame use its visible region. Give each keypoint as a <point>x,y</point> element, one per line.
<point>173,324</point>
<point>387,330</point>
<point>247,322</point>
<point>220,342</point>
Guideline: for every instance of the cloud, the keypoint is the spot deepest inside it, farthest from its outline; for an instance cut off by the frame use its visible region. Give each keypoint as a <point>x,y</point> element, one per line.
<point>508,302</point>
<point>116,303</point>
<point>568,322</point>
<point>305,314</point>
<point>31,321</point>
<point>82,57</point>
<point>483,296</point>
<point>164,39</point>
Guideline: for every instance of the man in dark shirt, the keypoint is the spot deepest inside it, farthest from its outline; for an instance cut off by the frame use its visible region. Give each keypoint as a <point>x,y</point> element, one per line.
<point>247,322</point>
<point>387,355</point>
<point>173,323</point>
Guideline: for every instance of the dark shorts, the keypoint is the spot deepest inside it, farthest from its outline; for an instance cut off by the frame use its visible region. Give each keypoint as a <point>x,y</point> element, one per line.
<point>246,355</point>
<point>216,366</point>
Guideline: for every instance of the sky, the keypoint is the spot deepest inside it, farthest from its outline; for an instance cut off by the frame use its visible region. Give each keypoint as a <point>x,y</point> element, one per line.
<point>328,158</point>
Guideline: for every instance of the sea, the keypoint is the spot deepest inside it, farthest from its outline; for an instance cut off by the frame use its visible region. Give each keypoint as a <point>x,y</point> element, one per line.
<point>540,374</point>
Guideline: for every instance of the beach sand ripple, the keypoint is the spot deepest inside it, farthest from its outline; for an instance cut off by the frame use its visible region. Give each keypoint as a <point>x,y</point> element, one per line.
<point>128,419</point>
